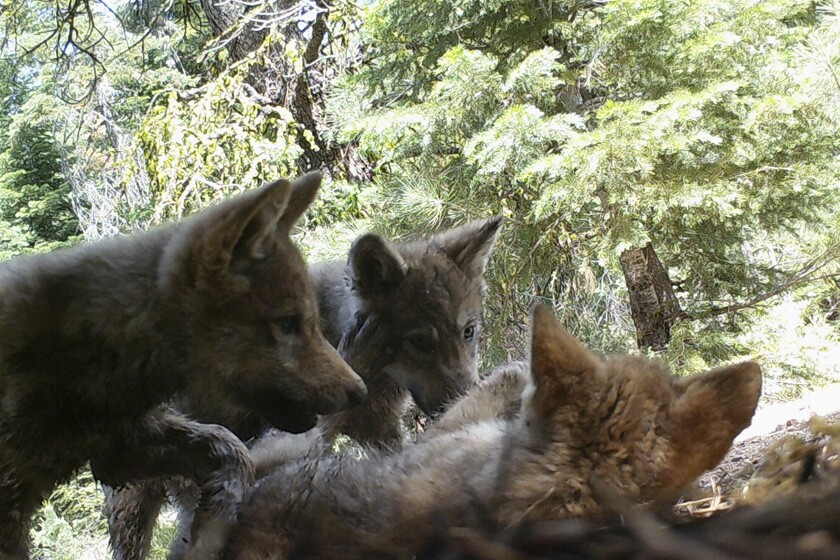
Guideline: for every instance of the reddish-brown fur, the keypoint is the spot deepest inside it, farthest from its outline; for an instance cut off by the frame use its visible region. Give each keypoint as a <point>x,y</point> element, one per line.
<point>622,423</point>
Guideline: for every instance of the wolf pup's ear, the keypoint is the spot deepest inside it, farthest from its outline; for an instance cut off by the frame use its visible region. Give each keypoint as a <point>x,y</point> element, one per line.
<point>713,408</point>
<point>376,265</point>
<point>564,371</point>
<point>469,246</point>
<point>246,229</point>
<point>304,189</point>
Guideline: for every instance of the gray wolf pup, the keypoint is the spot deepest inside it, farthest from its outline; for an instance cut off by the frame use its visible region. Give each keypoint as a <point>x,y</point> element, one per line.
<point>622,423</point>
<point>97,336</point>
<point>407,318</point>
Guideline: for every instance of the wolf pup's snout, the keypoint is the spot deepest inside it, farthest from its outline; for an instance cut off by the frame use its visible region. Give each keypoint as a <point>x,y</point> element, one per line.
<point>300,375</point>
<point>346,387</point>
<point>359,393</point>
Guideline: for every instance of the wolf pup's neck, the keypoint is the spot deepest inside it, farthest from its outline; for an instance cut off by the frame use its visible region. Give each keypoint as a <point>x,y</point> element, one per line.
<point>336,305</point>
<point>90,303</point>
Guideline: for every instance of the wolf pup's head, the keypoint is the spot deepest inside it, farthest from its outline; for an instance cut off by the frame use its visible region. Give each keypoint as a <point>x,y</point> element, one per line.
<point>622,422</point>
<point>244,290</point>
<point>422,303</point>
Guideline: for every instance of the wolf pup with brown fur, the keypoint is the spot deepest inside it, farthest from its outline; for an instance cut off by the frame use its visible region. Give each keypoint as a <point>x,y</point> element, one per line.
<point>97,336</point>
<point>406,318</point>
<point>622,423</point>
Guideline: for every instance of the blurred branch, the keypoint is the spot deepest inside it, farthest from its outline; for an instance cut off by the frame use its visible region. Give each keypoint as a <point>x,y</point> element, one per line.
<point>76,36</point>
<point>804,276</point>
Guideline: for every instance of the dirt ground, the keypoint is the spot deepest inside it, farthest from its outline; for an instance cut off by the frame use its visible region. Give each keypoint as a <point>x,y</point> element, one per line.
<point>771,424</point>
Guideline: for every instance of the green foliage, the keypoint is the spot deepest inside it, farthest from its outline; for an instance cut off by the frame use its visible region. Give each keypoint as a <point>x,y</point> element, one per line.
<point>408,39</point>
<point>203,144</point>
<point>797,349</point>
<point>233,128</point>
<point>657,46</point>
<point>165,531</point>
<point>71,523</point>
<point>12,240</point>
<point>698,126</point>
<point>35,209</point>
<point>58,538</point>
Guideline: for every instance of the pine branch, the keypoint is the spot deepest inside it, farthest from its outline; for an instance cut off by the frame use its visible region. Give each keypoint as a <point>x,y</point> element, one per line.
<point>802,277</point>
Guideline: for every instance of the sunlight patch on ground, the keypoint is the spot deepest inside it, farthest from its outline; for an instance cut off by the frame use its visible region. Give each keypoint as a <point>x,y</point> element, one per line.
<point>768,418</point>
<point>797,350</point>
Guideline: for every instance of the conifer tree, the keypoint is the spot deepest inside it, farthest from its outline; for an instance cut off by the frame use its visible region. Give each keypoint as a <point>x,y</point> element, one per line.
<point>673,162</point>
<point>34,196</point>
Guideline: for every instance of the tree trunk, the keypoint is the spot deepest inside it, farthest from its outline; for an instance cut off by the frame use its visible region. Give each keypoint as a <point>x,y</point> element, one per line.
<point>320,152</point>
<point>302,95</point>
<point>652,301</point>
<point>223,16</point>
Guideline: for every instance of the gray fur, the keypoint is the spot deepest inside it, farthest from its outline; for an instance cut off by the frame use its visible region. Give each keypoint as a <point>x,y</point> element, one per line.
<point>498,396</point>
<point>622,424</point>
<point>400,320</point>
<point>370,308</point>
<point>97,336</point>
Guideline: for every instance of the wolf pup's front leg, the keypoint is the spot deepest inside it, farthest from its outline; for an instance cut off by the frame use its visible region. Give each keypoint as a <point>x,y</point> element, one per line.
<point>131,512</point>
<point>167,444</point>
<point>496,397</point>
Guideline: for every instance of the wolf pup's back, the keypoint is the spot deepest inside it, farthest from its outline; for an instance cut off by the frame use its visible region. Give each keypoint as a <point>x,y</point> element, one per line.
<point>97,335</point>
<point>622,424</point>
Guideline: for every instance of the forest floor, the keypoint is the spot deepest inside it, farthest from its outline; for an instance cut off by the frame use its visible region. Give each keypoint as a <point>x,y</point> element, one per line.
<point>773,425</point>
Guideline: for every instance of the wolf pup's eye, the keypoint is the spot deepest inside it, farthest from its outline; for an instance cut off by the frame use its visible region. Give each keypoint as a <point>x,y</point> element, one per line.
<point>469,333</point>
<point>288,324</point>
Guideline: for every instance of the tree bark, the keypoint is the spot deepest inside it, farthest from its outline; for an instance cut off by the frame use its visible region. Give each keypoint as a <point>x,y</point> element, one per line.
<point>320,153</point>
<point>223,16</point>
<point>653,304</point>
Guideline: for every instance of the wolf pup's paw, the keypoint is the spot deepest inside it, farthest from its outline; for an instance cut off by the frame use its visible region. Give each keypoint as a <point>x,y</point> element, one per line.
<point>496,397</point>
<point>209,540</point>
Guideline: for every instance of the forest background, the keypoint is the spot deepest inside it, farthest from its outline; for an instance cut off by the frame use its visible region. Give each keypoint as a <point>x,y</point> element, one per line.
<point>669,170</point>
